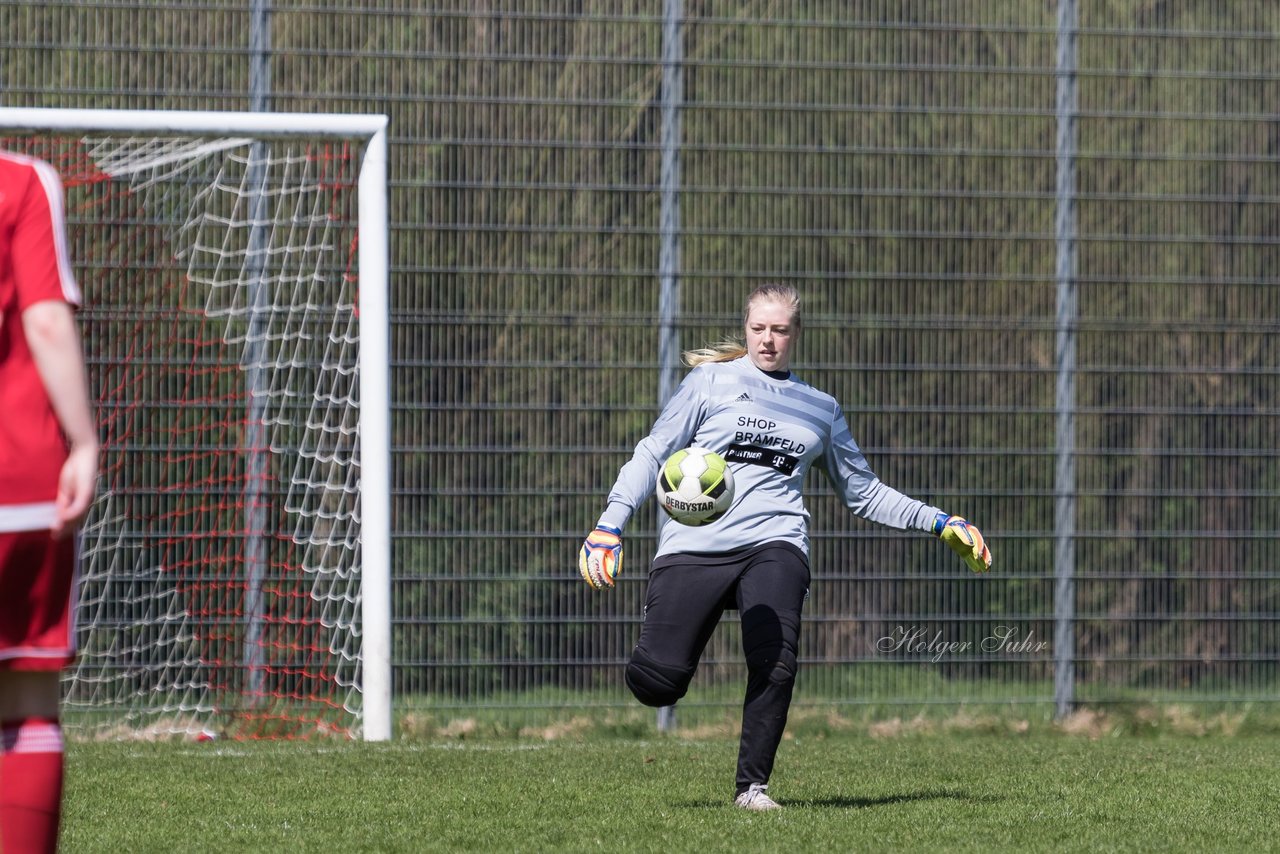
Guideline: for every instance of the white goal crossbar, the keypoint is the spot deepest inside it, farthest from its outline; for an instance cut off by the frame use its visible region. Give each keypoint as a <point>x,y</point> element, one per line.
<point>374,432</point>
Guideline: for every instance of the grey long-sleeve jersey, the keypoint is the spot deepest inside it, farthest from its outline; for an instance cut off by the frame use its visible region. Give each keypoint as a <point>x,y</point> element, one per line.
<point>770,431</point>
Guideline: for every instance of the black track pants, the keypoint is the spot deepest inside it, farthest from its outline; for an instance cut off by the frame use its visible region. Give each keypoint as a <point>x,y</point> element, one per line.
<point>686,597</point>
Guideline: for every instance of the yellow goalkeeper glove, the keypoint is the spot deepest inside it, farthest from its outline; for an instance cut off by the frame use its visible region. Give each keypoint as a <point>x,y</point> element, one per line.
<point>965,540</point>
<point>600,559</point>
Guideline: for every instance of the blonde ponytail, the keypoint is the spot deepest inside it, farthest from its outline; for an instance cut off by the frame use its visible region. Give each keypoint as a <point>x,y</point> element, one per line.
<point>721,351</point>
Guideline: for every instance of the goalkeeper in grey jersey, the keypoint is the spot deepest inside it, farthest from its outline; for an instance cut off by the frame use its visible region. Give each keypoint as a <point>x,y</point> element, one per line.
<point>745,404</point>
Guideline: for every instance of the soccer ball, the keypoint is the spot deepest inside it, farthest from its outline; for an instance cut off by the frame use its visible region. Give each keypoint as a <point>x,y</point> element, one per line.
<point>695,486</point>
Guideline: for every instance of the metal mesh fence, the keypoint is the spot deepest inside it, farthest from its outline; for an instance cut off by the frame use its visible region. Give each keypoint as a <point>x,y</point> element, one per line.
<point>899,163</point>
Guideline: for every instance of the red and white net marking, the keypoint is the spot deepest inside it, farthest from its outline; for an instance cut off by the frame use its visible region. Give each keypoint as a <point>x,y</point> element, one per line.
<point>219,566</point>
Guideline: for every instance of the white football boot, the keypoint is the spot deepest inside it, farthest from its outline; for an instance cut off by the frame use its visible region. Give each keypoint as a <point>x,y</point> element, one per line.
<point>756,800</point>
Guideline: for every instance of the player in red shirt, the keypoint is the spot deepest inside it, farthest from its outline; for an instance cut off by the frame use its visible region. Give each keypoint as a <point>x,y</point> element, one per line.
<point>48,470</point>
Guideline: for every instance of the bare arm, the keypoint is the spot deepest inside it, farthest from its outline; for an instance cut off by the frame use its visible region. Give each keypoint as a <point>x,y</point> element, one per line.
<point>54,339</point>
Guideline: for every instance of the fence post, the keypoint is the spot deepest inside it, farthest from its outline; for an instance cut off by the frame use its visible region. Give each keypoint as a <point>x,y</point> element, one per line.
<point>255,437</point>
<point>669,226</point>
<point>1066,274</point>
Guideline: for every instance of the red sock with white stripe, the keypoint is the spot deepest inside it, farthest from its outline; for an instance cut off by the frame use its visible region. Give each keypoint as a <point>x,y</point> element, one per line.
<point>30,785</point>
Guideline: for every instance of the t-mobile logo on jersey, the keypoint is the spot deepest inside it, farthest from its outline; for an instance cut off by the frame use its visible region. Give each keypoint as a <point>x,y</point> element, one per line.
<point>757,456</point>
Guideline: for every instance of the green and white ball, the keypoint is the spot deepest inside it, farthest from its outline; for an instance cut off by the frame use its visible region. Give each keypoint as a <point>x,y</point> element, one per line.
<point>695,486</point>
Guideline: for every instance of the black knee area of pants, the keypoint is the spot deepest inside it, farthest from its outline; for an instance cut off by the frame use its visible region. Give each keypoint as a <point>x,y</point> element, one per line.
<point>654,683</point>
<point>776,665</point>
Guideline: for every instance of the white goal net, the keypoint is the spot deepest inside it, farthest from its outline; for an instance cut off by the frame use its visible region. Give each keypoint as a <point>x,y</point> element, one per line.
<point>227,564</point>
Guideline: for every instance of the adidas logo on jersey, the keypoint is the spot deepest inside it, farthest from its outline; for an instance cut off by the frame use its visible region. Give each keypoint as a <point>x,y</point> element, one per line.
<point>742,398</point>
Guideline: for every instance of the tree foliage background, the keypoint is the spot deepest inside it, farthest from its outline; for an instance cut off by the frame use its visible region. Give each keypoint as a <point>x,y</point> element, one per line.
<point>897,162</point>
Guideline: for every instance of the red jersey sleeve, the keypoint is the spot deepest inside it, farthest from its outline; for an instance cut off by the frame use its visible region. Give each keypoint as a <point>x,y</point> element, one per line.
<point>41,266</point>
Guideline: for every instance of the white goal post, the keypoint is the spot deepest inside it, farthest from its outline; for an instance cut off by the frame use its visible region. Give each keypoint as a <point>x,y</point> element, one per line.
<point>237,562</point>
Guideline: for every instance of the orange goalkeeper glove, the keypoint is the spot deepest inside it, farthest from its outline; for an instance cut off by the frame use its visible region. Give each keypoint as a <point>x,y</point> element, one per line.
<point>965,540</point>
<point>600,559</point>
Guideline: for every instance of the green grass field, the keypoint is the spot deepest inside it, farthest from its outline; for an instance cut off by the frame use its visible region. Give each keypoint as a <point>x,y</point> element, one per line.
<point>1033,791</point>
